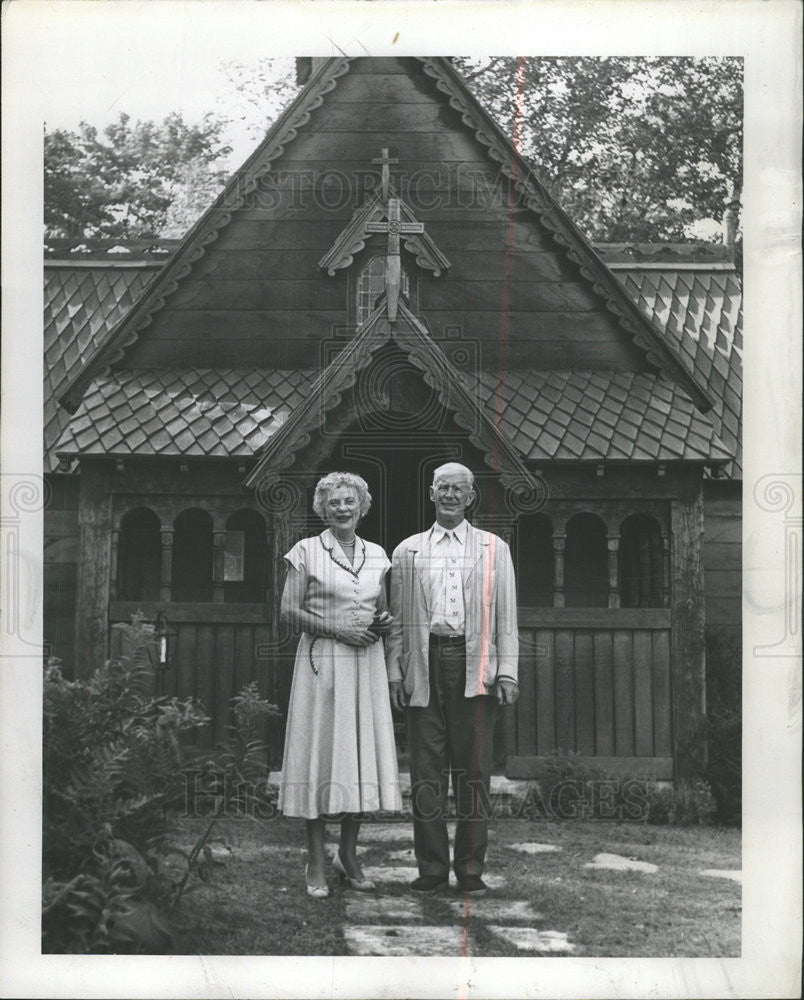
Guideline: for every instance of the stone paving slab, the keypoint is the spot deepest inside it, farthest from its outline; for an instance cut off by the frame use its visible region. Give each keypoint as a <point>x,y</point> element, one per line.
<point>735,876</point>
<point>364,907</point>
<point>489,908</point>
<point>384,874</point>
<point>617,863</point>
<point>530,939</point>
<point>534,848</point>
<point>402,940</point>
<point>398,875</point>
<point>384,832</point>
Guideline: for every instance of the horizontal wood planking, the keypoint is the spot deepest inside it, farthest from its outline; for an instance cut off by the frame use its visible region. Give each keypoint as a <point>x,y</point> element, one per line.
<point>608,618</point>
<point>276,349</point>
<point>302,265</point>
<point>319,292</point>
<point>510,296</point>
<point>373,65</point>
<point>383,88</point>
<point>407,147</point>
<point>421,114</point>
<point>491,237</point>
<point>649,768</point>
<point>305,321</point>
<point>201,612</point>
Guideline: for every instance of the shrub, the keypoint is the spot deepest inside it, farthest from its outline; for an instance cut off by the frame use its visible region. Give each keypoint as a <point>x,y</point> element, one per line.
<point>569,786</point>
<point>115,783</point>
<point>685,803</point>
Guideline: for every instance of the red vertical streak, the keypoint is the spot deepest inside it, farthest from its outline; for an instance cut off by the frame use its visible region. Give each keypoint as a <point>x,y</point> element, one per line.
<point>510,243</point>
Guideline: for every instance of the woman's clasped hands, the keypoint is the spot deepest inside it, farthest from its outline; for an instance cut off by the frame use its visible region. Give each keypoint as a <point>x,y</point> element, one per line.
<point>363,635</point>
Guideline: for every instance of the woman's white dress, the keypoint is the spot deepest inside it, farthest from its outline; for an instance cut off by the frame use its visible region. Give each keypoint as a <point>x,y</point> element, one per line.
<point>340,754</point>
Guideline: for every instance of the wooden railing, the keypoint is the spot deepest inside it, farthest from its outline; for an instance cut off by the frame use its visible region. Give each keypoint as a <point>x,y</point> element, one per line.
<point>594,681</point>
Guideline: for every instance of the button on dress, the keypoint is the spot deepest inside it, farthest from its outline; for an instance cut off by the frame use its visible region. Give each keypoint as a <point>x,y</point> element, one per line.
<point>340,754</point>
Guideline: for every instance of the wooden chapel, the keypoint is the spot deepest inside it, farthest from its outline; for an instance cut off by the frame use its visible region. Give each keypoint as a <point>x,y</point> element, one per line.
<point>383,286</point>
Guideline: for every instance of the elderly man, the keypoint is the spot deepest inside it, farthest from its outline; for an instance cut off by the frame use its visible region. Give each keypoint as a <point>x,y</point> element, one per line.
<point>452,659</point>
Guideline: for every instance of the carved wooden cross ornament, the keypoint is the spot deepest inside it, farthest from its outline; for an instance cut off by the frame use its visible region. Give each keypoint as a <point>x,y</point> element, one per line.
<point>393,265</point>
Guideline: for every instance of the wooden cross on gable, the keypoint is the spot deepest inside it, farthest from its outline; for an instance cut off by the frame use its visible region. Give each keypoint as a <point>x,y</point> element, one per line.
<point>399,222</point>
<point>395,227</point>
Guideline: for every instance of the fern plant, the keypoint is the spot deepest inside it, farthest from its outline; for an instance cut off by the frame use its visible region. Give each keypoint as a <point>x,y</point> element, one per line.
<point>115,783</point>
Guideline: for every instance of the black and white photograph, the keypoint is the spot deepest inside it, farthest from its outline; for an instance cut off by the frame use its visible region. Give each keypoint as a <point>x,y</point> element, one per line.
<point>400,587</point>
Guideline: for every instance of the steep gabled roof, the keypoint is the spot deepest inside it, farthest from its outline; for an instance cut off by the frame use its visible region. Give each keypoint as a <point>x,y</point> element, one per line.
<point>659,351</point>
<point>341,375</point>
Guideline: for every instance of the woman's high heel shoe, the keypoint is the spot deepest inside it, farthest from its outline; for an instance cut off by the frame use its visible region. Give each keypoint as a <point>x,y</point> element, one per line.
<point>358,884</point>
<point>315,891</point>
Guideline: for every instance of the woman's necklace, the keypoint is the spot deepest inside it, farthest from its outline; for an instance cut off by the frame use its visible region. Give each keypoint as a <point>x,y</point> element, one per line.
<point>354,570</point>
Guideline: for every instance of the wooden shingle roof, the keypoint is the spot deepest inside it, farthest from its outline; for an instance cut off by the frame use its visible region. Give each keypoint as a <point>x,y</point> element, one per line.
<point>196,413</point>
<point>574,416</point>
<point>600,416</point>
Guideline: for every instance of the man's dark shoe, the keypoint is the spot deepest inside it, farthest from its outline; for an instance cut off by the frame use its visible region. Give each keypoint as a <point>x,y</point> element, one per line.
<point>426,884</point>
<point>473,885</point>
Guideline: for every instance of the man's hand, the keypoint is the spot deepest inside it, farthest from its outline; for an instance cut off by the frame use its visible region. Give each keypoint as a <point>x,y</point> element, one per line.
<point>507,692</point>
<point>399,700</point>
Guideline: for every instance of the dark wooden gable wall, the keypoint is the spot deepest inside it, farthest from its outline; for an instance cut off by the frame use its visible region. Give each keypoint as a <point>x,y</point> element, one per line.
<point>258,296</point>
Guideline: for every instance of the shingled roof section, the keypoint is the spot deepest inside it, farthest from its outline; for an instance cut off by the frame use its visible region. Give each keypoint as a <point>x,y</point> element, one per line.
<point>599,416</point>
<point>81,304</point>
<point>191,413</point>
<point>700,308</point>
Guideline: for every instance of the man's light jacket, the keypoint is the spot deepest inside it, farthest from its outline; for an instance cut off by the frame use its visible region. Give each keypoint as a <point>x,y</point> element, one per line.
<point>489,588</point>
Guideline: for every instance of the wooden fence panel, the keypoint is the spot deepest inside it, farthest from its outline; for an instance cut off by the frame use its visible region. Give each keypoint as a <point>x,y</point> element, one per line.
<point>643,695</point>
<point>604,694</point>
<point>545,691</point>
<point>584,694</point>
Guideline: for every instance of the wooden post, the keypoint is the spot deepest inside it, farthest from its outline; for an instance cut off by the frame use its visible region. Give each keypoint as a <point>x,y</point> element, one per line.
<point>665,571</point>
<point>559,543</point>
<point>614,593</point>
<point>113,564</point>
<point>218,546</point>
<point>166,569</point>
<point>94,567</point>
<point>688,666</point>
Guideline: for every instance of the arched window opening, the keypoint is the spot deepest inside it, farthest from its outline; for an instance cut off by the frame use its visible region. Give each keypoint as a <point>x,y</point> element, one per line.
<point>139,556</point>
<point>245,559</point>
<point>192,556</point>
<point>371,285</point>
<point>534,560</point>
<point>640,563</point>
<point>586,574</point>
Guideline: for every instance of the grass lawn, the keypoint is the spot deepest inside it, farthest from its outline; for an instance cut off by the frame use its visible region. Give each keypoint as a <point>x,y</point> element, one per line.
<point>256,904</point>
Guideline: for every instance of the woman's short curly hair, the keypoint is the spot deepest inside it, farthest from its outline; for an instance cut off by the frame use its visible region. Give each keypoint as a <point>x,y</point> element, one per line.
<point>325,486</point>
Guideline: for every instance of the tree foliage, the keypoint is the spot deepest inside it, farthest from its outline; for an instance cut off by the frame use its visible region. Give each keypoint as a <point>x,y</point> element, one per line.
<point>134,180</point>
<point>641,149</point>
<point>633,149</point>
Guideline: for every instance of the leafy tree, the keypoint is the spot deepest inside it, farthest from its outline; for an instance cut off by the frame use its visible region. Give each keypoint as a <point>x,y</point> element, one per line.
<point>132,180</point>
<point>633,149</point>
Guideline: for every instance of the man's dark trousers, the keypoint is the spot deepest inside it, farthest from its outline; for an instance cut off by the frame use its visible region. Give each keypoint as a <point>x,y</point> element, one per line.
<point>451,732</point>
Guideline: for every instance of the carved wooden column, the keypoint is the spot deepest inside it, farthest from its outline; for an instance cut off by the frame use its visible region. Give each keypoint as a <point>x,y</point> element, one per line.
<point>92,598</point>
<point>613,542</point>
<point>269,554</point>
<point>665,571</point>
<point>218,560</point>
<point>113,564</point>
<point>166,569</point>
<point>559,544</point>
<point>687,664</point>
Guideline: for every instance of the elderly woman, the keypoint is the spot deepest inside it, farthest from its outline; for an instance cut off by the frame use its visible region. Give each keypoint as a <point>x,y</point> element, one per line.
<point>340,756</point>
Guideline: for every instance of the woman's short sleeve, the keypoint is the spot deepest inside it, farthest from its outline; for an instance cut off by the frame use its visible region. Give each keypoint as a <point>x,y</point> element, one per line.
<point>297,557</point>
<point>379,554</point>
